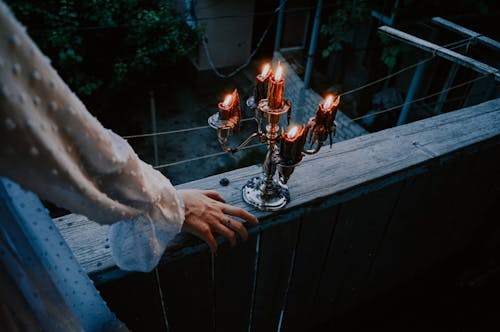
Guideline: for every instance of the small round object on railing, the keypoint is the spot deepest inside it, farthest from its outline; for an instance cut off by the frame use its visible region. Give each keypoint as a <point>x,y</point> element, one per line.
<point>224,182</point>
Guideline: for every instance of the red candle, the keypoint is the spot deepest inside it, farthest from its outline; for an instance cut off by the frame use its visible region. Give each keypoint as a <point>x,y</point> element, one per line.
<point>292,144</point>
<point>325,117</point>
<point>229,109</point>
<point>275,93</point>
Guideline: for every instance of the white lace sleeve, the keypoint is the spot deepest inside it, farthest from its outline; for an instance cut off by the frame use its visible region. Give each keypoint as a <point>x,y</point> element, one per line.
<point>53,146</point>
<point>138,244</point>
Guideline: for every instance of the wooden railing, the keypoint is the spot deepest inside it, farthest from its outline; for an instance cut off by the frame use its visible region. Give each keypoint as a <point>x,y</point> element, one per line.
<point>364,216</point>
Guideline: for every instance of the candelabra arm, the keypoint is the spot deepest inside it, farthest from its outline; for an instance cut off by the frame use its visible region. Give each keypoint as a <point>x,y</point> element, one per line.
<point>315,150</point>
<point>223,143</point>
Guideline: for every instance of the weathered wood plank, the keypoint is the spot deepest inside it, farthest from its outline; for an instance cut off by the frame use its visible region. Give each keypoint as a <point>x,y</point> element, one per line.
<point>461,179</point>
<point>312,249</point>
<point>471,194</point>
<point>442,52</point>
<point>440,213</point>
<point>234,279</point>
<point>367,216</point>
<point>188,291</point>
<point>467,32</point>
<point>416,237</point>
<point>333,176</point>
<point>356,237</point>
<point>276,253</point>
<point>135,301</point>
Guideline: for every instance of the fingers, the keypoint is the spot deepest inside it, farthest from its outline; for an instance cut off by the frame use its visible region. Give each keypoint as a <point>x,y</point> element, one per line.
<point>238,228</point>
<point>230,229</point>
<point>210,240</point>
<point>240,213</point>
<point>227,232</point>
<point>214,195</point>
<point>206,214</point>
<point>204,232</point>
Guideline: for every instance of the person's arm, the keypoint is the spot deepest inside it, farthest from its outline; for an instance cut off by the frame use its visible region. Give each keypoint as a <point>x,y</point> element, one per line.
<point>53,146</point>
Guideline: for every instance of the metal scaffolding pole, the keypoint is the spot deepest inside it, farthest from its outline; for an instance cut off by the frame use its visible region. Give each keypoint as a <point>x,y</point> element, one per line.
<point>152,108</point>
<point>312,44</point>
<point>279,26</point>
<point>440,51</point>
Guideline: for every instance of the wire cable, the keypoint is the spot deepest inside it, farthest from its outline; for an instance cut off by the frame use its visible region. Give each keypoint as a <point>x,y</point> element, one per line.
<point>204,157</point>
<point>177,131</point>
<point>386,77</point>
<point>456,44</point>
<point>348,121</point>
<point>453,45</point>
<point>418,99</point>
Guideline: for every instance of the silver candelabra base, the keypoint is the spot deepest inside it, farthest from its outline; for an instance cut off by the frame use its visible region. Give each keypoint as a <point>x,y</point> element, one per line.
<point>265,196</point>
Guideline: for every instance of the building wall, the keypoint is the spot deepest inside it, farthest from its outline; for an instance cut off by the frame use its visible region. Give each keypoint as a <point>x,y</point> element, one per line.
<point>227,27</point>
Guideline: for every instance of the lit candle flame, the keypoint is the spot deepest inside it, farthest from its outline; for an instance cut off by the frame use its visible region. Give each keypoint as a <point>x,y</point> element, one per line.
<point>227,100</point>
<point>328,102</point>
<point>279,72</point>
<point>265,70</point>
<point>292,132</point>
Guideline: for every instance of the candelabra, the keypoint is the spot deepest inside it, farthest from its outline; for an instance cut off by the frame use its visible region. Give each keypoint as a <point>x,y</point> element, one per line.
<point>285,150</point>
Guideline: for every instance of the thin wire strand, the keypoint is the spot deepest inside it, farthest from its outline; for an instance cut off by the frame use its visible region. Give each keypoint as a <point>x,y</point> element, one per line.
<point>456,44</point>
<point>418,99</point>
<point>453,45</point>
<point>348,121</point>
<point>414,101</point>
<point>386,77</point>
<point>205,156</point>
<point>177,131</point>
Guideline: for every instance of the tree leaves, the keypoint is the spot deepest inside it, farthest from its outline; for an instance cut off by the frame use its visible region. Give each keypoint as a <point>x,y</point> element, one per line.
<point>339,27</point>
<point>101,43</point>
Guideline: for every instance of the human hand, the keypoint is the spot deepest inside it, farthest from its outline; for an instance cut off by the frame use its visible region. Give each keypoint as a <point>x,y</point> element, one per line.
<point>207,213</point>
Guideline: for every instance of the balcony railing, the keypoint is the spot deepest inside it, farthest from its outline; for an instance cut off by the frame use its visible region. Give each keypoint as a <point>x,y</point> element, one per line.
<point>363,216</point>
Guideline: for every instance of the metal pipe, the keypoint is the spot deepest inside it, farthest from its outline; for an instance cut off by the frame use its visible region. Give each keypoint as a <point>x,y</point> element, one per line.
<point>279,26</point>
<point>152,108</point>
<point>312,44</point>
<point>414,86</point>
<point>412,91</point>
<point>446,88</point>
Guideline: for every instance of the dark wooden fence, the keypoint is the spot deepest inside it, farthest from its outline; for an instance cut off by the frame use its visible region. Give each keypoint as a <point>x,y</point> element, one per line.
<point>364,216</point>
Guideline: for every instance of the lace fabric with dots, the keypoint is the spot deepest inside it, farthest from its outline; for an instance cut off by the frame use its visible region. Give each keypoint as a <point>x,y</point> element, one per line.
<point>51,145</point>
<point>42,285</point>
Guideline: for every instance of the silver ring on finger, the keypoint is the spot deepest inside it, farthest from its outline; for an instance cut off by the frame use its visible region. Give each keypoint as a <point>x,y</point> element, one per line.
<point>227,223</point>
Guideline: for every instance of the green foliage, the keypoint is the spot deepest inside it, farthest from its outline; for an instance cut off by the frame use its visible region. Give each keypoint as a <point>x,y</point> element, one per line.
<point>338,29</point>
<point>391,50</point>
<point>105,43</point>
